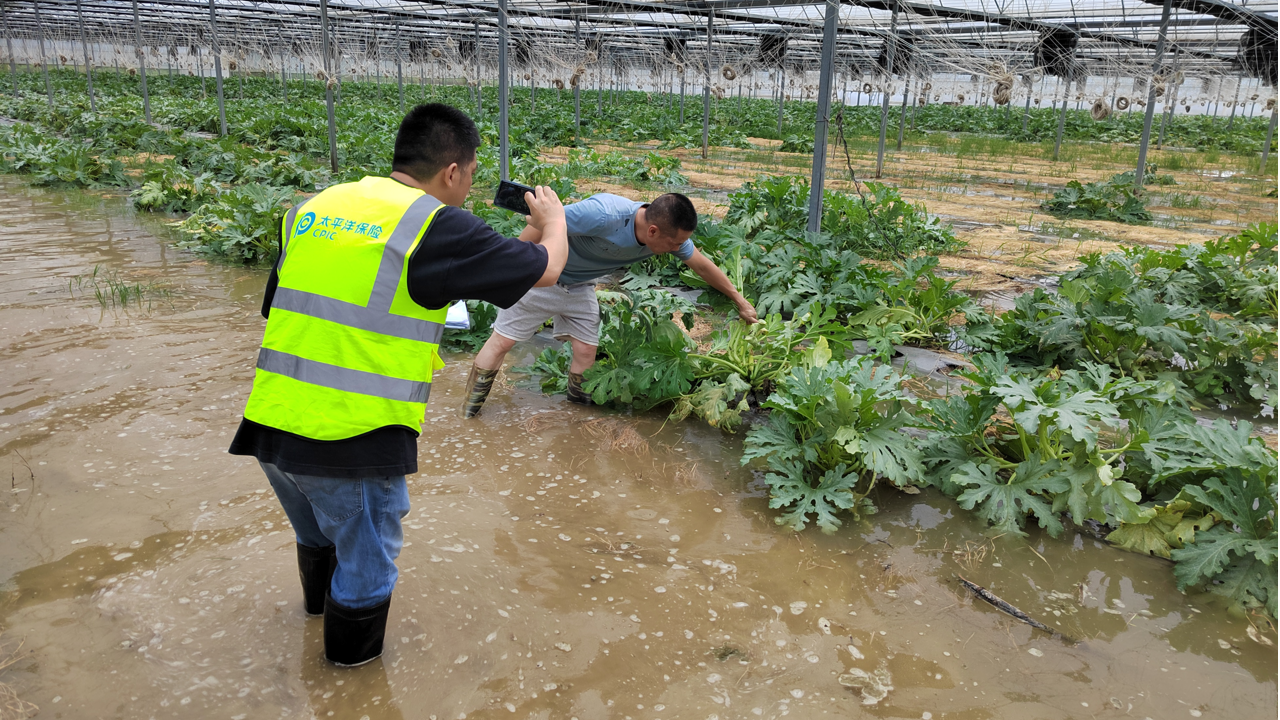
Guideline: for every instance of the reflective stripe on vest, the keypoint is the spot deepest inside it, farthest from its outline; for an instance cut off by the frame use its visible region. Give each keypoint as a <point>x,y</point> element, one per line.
<point>340,378</point>
<point>357,316</point>
<point>407,230</point>
<point>375,316</point>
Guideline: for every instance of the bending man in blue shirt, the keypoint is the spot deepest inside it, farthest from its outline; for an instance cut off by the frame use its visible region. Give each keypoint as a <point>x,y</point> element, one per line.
<point>606,233</point>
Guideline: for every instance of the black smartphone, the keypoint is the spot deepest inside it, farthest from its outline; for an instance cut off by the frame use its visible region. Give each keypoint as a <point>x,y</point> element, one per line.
<point>511,197</point>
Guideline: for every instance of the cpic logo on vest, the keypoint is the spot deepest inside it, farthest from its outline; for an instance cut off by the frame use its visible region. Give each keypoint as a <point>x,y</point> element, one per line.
<point>305,225</point>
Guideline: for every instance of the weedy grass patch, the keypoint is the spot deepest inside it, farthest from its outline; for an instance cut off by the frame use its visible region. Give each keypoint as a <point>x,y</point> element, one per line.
<point>111,292</point>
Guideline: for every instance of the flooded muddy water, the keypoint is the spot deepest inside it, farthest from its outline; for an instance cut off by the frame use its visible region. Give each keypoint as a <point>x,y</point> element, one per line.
<point>555,565</point>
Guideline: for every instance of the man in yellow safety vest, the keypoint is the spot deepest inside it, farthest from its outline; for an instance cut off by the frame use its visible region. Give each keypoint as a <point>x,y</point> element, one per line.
<point>355,308</point>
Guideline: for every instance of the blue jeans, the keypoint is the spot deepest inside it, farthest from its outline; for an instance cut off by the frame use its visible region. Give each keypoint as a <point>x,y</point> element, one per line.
<point>360,518</point>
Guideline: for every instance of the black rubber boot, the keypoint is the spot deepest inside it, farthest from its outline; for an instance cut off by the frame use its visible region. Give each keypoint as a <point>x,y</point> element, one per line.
<point>353,637</point>
<point>479,382</point>
<point>574,391</point>
<point>315,569</point>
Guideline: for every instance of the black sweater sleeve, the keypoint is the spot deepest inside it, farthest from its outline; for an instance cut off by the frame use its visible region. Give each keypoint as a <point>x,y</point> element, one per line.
<point>272,283</point>
<point>462,258</point>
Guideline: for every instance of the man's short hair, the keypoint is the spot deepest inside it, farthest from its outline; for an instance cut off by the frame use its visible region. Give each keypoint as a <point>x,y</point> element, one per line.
<point>433,137</point>
<point>672,213</point>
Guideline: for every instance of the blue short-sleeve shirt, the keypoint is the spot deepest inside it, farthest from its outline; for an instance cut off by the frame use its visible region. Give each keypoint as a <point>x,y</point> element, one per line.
<point>602,238</point>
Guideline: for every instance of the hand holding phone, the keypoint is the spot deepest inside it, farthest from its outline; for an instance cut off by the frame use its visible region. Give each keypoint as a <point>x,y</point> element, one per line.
<point>540,206</point>
<point>510,196</point>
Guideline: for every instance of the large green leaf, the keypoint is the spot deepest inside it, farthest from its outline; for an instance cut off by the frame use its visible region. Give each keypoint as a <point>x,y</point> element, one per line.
<point>1192,448</point>
<point>886,451</point>
<point>1247,503</point>
<point>774,439</point>
<point>791,488</point>
<point>1006,504</point>
<point>1209,555</point>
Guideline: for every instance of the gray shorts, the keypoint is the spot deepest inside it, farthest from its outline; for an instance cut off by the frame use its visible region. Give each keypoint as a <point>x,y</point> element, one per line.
<point>574,307</point>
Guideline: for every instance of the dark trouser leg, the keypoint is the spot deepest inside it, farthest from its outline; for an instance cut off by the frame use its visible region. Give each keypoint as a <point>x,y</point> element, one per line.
<point>316,556</point>
<point>362,516</point>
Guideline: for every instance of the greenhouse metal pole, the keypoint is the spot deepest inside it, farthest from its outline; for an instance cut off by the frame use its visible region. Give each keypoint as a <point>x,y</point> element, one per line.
<point>902,121</point>
<point>217,68</point>
<point>1171,104</point>
<point>504,149</point>
<point>1026,111</point>
<point>782,93</point>
<point>682,98</point>
<point>824,115</point>
<point>1151,96</point>
<point>200,70</point>
<point>88,67</point>
<point>706,87</point>
<point>1062,120</point>
<point>479,81</point>
<point>44,60</point>
<point>1234,102</point>
<point>328,85</point>
<point>577,82</point>
<point>1266,147</point>
<point>142,62</point>
<point>8,41</point>
<point>400,70</point>
<point>284,77</point>
<point>884,97</point>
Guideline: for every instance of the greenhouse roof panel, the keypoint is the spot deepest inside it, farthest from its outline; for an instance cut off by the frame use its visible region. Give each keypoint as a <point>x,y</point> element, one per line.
<point>1111,36</point>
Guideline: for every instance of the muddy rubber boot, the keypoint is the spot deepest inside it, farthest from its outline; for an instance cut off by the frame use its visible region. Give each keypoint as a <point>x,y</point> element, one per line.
<point>353,637</point>
<point>479,382</point>
<point>315,569</point>
<point>574,391</point>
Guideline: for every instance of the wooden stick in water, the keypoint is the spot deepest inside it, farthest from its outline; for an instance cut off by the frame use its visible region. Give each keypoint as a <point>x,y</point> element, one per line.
<point>1003,606</point>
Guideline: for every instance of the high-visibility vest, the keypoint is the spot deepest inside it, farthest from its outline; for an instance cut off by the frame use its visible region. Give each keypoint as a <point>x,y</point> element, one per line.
<point>346,350</point>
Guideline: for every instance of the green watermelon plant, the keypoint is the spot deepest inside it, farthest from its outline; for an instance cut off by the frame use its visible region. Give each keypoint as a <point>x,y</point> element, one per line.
<point>833,431</point>
<point>1114,199</point>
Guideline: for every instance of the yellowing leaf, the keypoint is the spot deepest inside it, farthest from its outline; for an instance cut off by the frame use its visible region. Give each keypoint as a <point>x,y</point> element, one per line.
<point>1185,531</point>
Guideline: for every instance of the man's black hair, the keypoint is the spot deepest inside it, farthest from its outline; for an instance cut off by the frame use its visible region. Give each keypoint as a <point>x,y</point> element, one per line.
<point>432,137</point>
<point>672,213</point>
